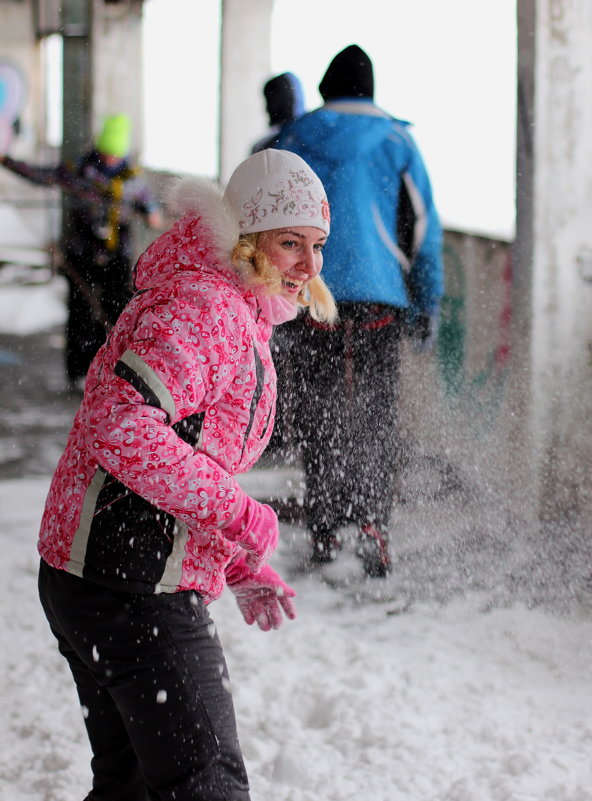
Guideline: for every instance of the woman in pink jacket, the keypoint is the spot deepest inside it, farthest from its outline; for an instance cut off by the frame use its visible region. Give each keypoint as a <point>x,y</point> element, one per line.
<point>145,523</point>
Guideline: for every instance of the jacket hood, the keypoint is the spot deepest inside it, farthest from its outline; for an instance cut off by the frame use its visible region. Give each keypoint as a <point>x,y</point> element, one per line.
<point>202,238</point>
<point>339,131</point>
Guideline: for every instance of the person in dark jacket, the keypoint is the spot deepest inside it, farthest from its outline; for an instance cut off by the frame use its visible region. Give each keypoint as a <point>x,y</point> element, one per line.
<point>383,264</point>
<point>284,101</point>
<point>106,190</point>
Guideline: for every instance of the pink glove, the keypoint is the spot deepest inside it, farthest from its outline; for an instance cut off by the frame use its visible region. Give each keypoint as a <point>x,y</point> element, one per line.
<point>256,530</point>
<point>262,596</point>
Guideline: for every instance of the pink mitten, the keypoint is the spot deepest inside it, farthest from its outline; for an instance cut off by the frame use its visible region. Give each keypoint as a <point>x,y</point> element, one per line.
<point>261,596</point>
<point>256,530</point>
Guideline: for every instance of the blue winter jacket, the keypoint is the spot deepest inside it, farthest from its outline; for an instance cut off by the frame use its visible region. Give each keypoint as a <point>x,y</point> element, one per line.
<point>383,219</point>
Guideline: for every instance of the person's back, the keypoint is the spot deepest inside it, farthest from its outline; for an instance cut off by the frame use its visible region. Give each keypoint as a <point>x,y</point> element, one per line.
<point>366,160</point>
<point>383,264</point>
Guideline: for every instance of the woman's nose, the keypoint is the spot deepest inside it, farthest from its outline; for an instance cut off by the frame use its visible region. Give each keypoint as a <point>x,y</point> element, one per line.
<point>311,263</point>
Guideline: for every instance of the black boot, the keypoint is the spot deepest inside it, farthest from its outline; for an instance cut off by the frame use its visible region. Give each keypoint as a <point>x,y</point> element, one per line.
<point>373,551</point>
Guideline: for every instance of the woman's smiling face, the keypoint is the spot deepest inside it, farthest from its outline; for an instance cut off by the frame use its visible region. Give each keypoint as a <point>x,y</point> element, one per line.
<point>297,252</point>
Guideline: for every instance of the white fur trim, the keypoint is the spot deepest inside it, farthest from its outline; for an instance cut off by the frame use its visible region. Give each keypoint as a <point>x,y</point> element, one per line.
<point>204,198</point>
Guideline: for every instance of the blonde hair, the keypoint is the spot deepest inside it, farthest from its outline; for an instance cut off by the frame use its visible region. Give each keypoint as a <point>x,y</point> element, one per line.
<point>250,259</point>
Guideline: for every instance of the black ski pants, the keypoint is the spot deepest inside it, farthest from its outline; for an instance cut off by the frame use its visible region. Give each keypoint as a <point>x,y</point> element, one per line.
<point>344,384</point>
<point>98,291</point>
<point>153,688</point>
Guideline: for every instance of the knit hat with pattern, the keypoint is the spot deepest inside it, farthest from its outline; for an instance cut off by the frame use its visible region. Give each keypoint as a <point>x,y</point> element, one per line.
<point>276,189</point>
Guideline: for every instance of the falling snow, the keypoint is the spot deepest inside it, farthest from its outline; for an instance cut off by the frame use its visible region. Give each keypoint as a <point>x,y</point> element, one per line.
<point>465,676</point>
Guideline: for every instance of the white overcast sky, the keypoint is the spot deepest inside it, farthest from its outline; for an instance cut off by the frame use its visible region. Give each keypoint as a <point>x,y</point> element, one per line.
<point>447,67</point>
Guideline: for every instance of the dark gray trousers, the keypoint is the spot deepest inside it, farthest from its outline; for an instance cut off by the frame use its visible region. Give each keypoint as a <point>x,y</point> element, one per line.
<point>343,387</point>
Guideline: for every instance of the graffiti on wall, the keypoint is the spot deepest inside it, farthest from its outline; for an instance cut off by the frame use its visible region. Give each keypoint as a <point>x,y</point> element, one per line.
<point>12,98</point>
<point>478,392</point>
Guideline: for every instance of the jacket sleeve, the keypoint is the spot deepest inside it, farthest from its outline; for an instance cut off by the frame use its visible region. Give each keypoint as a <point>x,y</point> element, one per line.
<point>66,176</point>
<point>144,200</point>
<point>43,176</point>
<point>420,236</point>
<point>167,374</point>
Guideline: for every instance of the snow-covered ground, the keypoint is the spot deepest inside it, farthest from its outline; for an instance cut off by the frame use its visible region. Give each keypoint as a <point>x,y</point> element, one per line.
<point>460,678</point>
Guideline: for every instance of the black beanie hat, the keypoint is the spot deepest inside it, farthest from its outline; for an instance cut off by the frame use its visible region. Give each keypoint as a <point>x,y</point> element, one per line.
<point>284,98</point>
<point>350,74</point>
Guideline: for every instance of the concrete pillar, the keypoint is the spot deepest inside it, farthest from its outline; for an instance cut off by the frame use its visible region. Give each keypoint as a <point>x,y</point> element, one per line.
<point>102,62</point>
<point>117,64</point>
<point>77,108</point>
<point>77,91</point>
<point>245,66</point>
<point>102,69</point>
<point>555,234</point>
<point>523,487</point>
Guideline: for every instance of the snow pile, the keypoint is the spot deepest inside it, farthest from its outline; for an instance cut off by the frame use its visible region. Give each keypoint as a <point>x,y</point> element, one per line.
<point>355,699</point>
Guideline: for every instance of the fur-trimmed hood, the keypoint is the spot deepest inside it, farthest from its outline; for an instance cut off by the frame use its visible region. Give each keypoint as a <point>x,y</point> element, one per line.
<point>202,238</point>
<point>204,198</point>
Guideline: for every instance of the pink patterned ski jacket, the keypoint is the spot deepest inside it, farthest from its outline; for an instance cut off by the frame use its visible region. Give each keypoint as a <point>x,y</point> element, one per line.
<point>179,399</point>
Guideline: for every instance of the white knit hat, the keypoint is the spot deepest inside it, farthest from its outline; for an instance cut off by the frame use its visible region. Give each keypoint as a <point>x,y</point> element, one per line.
<point>276,189</point>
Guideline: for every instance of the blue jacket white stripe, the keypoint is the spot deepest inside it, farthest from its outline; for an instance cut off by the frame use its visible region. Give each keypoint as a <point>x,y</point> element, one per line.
<point>365,158</point>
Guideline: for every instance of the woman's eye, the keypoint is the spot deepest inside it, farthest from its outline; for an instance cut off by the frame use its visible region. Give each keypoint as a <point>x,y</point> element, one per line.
<point>320,247</point>
<point>288,243</point>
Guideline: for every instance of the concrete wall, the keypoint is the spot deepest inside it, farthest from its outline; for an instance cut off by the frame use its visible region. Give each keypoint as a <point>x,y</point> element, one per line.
<point>27,214</point>
<point>454,400</point>
<point>18,45</point>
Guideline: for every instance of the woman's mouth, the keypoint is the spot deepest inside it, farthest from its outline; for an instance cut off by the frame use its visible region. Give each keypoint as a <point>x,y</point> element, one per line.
<point>290,286</point>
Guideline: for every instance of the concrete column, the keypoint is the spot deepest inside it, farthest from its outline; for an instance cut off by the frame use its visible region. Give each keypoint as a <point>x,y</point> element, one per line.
<point>77,90</point>
<point>563,251</point>
<point>76,25</point>
<point>117,64</point>
<point>245,66</point>
<point>555,208</point>
<point>523,487</point>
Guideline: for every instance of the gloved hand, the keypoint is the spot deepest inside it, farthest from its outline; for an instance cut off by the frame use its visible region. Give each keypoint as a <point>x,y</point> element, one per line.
<point>425,330</point>
<point>256,530</point>
<point>262,596</point>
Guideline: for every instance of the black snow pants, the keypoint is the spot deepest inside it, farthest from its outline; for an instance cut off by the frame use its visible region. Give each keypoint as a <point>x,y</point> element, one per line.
<point>99,287</point>
<point>342,388</point>
<point>153,688</point>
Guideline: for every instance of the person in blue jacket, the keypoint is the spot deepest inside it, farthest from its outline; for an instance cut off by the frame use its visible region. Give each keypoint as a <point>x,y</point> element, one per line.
<point>384,266</point>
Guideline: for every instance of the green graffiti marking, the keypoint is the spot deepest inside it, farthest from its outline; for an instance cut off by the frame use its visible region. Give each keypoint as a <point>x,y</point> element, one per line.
<point>450,347</point>
<point>480,394</point>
